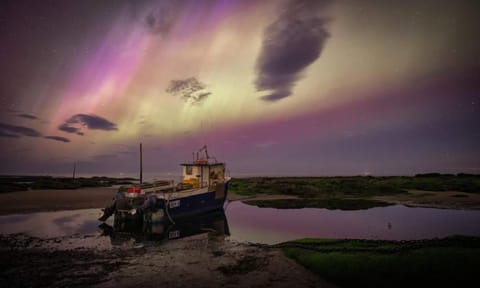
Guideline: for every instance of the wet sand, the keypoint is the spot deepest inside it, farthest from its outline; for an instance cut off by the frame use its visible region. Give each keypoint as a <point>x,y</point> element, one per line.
<point>99,197</point>
<point>53,200</point>
<point>203,260</point>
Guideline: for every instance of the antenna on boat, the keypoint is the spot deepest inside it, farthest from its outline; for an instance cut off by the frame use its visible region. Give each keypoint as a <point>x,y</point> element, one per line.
<point>205,150</point>
<point>141,164</point>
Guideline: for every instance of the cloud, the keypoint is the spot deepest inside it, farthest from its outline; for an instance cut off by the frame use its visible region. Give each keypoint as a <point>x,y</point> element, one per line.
<point>161,19</point>
<point>157,17</point>
<point>290,44</point>
<point>69,129</point>
<point>190,90</point>
<point>7,130</point>
<point>75,123</point>
<point>57,138</point>
<point>6,134</point>
<point>27,116</point>
<point>203,96</point>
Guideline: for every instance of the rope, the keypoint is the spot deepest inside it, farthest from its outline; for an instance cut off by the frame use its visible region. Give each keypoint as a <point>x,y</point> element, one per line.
<point>166,209</point>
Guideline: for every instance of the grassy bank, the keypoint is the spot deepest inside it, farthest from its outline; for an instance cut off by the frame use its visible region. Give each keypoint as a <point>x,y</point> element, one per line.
<point>329,203</point>
<point>369,263</point>
<point>337,187</point>
<point>22,183</point>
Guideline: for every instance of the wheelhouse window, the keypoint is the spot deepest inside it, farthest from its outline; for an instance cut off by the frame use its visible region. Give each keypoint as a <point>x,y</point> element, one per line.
<point>188,170</point>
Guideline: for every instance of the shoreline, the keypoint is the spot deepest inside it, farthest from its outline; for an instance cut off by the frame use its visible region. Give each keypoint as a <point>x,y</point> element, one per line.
<point>31,201</point>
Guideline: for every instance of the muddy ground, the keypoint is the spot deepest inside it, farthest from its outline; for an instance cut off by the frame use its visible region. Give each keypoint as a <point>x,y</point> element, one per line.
<point>54,200</point>
<point>204,260</point>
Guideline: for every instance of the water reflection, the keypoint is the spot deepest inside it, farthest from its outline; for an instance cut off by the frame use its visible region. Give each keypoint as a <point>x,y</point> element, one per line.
<point>252,224</point>
<point>52,224</point>
<point>271,226</point>
<point>214,224</point>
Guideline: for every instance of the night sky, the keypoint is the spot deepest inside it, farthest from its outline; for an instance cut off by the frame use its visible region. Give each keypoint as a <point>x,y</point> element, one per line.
<point>272,87</point>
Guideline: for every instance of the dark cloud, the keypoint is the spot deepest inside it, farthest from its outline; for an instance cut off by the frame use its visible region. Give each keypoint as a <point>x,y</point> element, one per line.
<point>290,44</point>
<point>69,129</point>
<point>27,116</point>
<point>203,96</point>
<point>75,123</point>
<point>158,17</point>
<point>7,130</point>
<point>161,20</point>
<point>6,134</point>
<point>57,138</point>
<point>190,90</point>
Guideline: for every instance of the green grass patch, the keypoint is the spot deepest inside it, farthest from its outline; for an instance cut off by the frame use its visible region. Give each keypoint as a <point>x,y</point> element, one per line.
<point>335,187</point>
<point>329,203</point>
<point>369,263</point>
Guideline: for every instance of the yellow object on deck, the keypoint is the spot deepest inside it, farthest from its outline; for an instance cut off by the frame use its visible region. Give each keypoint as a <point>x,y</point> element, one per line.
<point>192,181</point>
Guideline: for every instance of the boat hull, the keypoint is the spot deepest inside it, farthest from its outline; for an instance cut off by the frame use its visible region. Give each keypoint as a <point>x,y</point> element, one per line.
<point>183,204</point>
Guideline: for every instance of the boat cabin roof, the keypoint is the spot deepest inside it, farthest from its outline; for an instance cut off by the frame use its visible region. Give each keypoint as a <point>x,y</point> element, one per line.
<point>202,164</point>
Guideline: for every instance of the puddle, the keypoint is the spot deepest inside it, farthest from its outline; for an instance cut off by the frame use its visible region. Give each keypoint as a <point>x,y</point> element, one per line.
<point>245,223</point>
<point>398,222</point>
<point>52,224</point>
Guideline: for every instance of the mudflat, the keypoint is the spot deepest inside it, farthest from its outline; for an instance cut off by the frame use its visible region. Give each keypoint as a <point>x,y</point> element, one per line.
<point>53,200</point>
<point>83,198</point>
<point>435,199</point>
<point>205,260</point>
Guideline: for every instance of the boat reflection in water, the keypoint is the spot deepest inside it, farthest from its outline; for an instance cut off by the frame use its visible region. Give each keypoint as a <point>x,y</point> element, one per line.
<point>123,231</point>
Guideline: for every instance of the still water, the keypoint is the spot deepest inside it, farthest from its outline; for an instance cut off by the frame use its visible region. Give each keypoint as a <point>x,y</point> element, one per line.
<point>245,223</point>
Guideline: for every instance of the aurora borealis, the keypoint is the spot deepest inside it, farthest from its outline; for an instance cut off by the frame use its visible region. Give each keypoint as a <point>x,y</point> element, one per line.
<point>272,87</point>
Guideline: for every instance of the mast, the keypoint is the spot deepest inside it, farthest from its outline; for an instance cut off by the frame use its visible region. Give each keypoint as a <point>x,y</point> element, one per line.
<point>141,165</point>
<point>74,168</point>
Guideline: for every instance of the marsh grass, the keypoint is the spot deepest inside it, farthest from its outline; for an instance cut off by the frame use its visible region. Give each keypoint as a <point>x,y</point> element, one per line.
<point>369,263</point>
<point>22,183</point>
<point>336,187</point>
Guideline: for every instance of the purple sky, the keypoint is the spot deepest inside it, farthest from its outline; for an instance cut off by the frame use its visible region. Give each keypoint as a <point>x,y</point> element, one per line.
<point>272,87</point>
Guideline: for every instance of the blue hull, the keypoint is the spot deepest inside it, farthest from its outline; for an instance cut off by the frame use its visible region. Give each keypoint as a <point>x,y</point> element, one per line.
<point>195,204</point>
<point>177,208</point>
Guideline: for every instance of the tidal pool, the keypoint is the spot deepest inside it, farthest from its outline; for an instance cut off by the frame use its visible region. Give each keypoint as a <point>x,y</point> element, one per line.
<point>245,223</point>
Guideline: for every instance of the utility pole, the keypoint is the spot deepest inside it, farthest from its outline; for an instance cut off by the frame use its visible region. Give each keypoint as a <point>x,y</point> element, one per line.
<point>141,165</point>
<point>74,168</point>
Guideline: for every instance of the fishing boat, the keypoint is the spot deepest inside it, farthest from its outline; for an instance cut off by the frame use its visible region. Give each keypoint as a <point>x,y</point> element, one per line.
<point>203,188</point>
